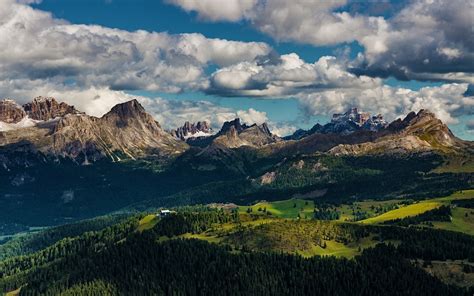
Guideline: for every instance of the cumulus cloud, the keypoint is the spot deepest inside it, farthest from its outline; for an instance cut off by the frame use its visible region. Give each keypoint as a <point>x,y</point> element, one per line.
<point>174,113</point>
<point>214,10</point>
<point>314,22</point>
<point>34,45</point>
<point>251,116</point>
<point>288,76</point>
<point>446,101</point>
<point>29,1</point>
<point>426,40</point>
<point>282,129</point>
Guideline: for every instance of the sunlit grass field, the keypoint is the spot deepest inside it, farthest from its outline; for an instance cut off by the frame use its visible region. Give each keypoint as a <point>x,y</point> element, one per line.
<point>288,209</point>
<point>459,221</point>
<point>147,222</point>
<point>403,212</point>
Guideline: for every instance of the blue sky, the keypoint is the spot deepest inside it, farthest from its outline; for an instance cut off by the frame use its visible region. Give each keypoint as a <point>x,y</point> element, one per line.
<point>370,67</point>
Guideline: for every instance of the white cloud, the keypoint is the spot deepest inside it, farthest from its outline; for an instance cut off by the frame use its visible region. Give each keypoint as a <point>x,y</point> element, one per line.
<point>306,21</point>
<point>427,39</point>
<point>446,101</point>
<point>173,113</point>
<point>282,129</point>
<point>430,39</point>
<point>252,116</point>
<point>450,53</point>
<point>29,1</point>
<point>288,76</point>
<point>34,45</point>
<point>217,10</point>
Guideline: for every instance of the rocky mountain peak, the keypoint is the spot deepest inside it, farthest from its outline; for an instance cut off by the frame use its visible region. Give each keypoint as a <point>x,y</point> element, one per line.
<point>354,119</point>
<point>11,112</point>
<point>192,130</point>
<point>417,132</point>
<point>126,131</point>
<point>422,115</point>
<point>345,123</point>
<point>428,127</point>
<point>125,113</point>
<point>412,118</point>
<point>265,129</point>
<point>233,123</point>
<point>127,109</point>
<point>46,108</point>
<point>352,115</point>
<point>234,134</point>
<point>203,125</point>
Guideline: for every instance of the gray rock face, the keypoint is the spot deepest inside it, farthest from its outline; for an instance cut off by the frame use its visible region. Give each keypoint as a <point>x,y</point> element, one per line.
<point>11,112</point>
<point>191,130</point>
<point>125,132</point>
<point>345,123</point>
<point>234,134</point>
<point>417,132</point>
<point>42,108</point>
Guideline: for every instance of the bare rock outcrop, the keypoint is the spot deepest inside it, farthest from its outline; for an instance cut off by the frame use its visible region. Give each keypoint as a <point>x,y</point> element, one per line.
<point>42,108</point>
<point>11,112</point>
<point>192,130</point>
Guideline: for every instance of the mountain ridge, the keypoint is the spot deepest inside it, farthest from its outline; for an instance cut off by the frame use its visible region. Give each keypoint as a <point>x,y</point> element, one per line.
<point>344,124</point>
<point>417,132</point>
<point>192,130</point>
<point>127,131</point>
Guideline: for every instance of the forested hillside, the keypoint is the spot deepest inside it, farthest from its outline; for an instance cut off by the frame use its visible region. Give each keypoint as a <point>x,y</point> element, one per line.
<point>208,251</point>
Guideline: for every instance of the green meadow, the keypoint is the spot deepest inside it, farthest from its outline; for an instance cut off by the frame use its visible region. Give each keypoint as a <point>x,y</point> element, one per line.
<point>147,222</point>
<point>462,220</point>
<point>288,209</point>
<point>403,212</point>
<point>288,225</point>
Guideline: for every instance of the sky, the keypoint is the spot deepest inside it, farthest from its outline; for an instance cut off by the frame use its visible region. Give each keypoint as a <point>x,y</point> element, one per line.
<point>289,63</point>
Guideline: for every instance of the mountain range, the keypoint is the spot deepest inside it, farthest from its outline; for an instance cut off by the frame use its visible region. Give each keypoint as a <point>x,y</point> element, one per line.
<point>127,131</point>
<point>60,131</point>
<point>62,164</point>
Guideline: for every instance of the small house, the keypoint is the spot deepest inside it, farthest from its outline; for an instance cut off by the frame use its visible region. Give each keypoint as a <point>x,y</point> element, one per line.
<point>164,213</point>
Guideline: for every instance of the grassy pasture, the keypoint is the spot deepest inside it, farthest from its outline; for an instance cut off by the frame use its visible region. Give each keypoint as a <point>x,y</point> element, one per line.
<point>457,164</point>
<point>288,209</point>
<point>459,195</point>
<point>403,212</point>
<point>459,221</point>
<point>369,207</point>
<point>147,222</point>
<point>13,293</point>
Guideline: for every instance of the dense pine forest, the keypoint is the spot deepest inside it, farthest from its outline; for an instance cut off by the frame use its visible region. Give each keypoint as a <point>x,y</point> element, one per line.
<point>140,266</point>
<point>121,259</point>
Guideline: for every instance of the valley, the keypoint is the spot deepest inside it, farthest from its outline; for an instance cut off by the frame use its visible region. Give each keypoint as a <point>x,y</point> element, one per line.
<point>348,197</point>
